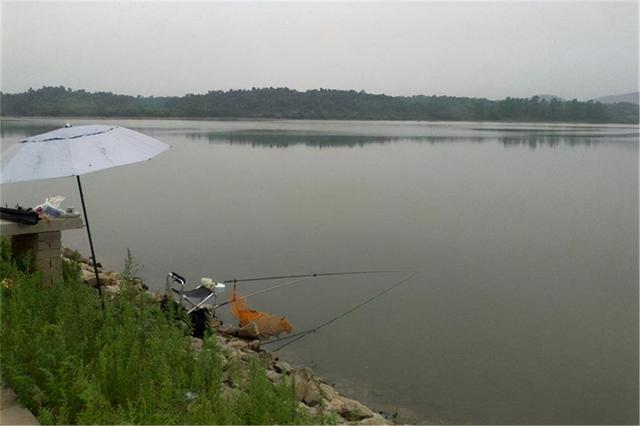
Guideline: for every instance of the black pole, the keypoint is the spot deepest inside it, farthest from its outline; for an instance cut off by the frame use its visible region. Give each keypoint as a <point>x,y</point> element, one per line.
<point>93,253</point>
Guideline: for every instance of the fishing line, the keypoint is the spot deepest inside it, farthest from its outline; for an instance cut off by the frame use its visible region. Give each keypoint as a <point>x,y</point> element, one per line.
<point>301,334</point>
<point>262,291</point>
<point>327,274</point>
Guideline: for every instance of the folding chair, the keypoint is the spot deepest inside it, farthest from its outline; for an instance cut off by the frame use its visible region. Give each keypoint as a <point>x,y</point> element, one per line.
<point>207,290</point>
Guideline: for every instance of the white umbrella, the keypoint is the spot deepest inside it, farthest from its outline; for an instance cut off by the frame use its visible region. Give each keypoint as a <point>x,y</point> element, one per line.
<point>73,151</point>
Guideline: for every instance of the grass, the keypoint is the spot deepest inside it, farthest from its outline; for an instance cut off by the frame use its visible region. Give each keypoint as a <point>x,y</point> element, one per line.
<point>70,362</point>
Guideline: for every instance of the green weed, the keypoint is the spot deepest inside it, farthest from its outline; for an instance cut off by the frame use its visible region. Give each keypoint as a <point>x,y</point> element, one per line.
<point>72,363</point>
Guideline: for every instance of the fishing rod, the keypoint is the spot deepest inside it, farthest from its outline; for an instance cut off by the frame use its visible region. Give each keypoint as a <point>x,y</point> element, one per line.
<point>212,292</point>
<point>299,278</point>
<point>262,291</point>
<point>326,274</point>
<point>299,335</point>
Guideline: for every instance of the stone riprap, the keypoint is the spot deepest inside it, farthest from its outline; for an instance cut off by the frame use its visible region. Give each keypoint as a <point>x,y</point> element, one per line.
<point>312,391</point>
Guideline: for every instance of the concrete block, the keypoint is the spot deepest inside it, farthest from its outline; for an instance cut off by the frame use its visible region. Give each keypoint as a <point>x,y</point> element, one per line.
<point>21,244</point>
<point>47,255</point>
<point>56,268</point>
<point>48,236</point>
<point>43,242</point>
<point>12,228</point>
<point>50,244</point>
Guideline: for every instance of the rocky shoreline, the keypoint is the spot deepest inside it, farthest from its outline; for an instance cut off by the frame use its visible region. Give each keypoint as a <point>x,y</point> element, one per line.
<point>312,391</point>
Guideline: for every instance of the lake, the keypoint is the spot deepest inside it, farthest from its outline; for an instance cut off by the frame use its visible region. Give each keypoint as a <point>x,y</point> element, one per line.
<point>525,236</point>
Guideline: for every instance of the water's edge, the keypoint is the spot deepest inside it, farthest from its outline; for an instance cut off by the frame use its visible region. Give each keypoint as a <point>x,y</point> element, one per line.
<point>313,391</point>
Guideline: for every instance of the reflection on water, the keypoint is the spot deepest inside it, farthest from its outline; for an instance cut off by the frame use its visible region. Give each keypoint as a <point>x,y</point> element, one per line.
<point>281,134</point>
<point>525,309</point>
<point>278,139</point>
<point>9,128</point>
<point>549,141</point>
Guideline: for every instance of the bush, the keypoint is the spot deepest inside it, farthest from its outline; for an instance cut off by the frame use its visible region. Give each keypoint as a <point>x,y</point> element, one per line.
<point>70,362</point>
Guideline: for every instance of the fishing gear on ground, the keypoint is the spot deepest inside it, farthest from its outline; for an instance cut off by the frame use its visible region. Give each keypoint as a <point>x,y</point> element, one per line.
<point>252,323</point>
<point>262,324</point>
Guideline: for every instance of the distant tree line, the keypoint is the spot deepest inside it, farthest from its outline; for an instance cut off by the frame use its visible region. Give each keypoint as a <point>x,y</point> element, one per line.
<point>312,104</point>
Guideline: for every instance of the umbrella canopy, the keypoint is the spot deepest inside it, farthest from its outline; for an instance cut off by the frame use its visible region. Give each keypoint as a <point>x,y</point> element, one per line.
<point>73,151</point>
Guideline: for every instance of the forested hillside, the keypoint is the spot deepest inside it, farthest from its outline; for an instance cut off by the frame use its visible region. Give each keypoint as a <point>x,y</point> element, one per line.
<point>312,104</point>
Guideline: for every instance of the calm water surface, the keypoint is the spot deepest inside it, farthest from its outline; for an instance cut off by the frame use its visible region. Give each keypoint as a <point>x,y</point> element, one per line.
<point>525,309</point>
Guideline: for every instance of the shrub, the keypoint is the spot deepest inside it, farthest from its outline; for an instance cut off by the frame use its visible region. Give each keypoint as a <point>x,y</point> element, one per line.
<point>71,362</point>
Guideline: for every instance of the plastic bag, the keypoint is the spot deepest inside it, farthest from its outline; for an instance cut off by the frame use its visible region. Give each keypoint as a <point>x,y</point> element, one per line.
<point>51,207</point>
<point>212,285</point>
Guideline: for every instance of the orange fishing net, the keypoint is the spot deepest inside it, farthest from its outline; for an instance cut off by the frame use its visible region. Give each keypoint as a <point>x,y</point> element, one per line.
<point>267,325</point>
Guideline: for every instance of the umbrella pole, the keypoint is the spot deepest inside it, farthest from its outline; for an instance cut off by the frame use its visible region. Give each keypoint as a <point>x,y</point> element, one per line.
<point>93,253</point>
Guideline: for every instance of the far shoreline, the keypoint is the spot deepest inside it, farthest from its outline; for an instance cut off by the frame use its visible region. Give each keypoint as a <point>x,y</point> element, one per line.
<point>321,120</point>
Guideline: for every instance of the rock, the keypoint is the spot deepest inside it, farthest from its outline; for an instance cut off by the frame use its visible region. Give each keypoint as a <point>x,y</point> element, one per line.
<point>156,297</point>
<point>376,419</point>
<point>87,263</point>
<point>283,367</point>
<point>250,330</point>
<point>352,410</point>
<point>312,396</point>
<point>300,379</point>
<point>334,404</point>
<point>107,280</point>
<point>273,376</point>
<point>237,344</point>
<point>235,354</point>
<point>327,391</point>
<point>266,358</point>
<point>304,372</point>
<point>140,284</point>
<point>111,291</point>
<point>88,276</point>
<point>247,356</point>
<point>213,323</point>
<point>228,329</point>
<point>321,379</point>
<point>312,411</point>
<point>254,345</point>
<point>306,388</point>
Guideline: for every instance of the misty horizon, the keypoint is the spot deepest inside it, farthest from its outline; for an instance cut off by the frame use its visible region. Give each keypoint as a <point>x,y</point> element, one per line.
<point>478,50</point>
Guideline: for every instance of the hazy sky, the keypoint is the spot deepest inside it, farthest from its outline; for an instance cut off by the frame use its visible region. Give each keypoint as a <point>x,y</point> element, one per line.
<point>486,49</point>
